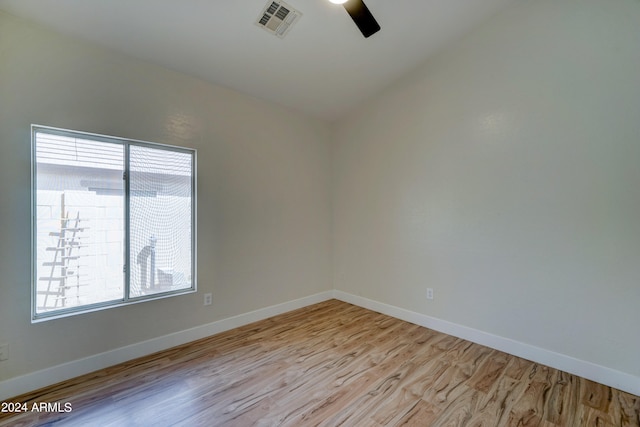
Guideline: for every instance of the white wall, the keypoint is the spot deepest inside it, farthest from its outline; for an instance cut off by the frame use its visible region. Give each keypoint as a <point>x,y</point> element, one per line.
<point>263,191</point>
<point>504,174</point>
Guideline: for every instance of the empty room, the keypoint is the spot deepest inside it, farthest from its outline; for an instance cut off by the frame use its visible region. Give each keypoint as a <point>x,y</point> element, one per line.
<point>314,212</point>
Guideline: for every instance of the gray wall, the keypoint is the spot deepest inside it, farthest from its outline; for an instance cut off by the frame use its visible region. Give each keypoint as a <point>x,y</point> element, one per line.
<point>504,174</point>
<point>263,190</point>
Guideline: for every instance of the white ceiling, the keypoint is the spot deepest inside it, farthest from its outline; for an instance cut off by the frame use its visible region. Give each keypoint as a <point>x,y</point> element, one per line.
<point>323,67</point>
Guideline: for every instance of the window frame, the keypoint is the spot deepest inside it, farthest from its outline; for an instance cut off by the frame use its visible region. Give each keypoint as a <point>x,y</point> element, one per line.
<point>127,299</point>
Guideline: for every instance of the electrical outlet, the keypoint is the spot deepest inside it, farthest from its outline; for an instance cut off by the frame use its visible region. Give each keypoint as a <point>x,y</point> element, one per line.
<point>429,293</point>
<point>4,352</point>
<point>207,299</point>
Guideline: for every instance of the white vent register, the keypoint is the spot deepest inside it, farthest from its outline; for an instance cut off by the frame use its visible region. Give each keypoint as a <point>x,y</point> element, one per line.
<point>278,17</point>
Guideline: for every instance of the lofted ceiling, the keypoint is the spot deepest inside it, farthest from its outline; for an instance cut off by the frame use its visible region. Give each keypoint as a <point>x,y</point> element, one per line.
<point>324,67</point>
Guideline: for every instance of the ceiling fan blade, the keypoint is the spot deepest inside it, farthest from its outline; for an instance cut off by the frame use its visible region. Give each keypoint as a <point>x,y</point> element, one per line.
<point>363,18</point>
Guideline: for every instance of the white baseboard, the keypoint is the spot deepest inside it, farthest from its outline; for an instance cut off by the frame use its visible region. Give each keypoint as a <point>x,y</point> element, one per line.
<point>591,371</point>
<point>35,380</point>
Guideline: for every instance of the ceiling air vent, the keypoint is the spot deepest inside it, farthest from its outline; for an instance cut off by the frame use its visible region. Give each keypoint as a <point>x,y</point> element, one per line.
<point>278,17</point>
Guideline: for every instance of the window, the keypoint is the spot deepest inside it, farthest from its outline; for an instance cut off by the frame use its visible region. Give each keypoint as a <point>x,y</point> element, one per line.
<point>113,221</point>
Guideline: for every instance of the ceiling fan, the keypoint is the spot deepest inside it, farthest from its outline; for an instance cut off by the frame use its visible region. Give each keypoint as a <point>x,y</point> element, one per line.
<point>361,15</point>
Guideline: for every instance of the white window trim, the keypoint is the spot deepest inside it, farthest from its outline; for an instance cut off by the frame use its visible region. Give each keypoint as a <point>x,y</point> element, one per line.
<point>127,299</point>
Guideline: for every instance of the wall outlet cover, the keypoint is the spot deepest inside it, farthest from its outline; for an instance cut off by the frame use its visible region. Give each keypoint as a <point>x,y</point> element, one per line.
<point>429,293</point>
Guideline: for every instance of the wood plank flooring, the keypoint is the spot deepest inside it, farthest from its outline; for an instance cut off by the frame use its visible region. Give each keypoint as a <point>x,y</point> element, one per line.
<point>331,364</point>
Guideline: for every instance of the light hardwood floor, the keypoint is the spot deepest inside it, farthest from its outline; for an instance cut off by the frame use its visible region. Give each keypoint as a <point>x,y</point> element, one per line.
<point>332,364</point>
